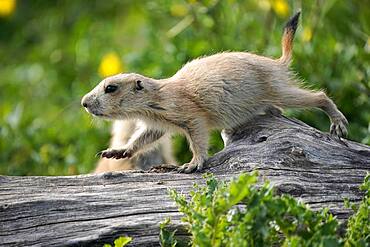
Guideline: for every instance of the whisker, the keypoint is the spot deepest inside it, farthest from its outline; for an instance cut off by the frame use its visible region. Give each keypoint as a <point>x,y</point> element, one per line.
<point>63,110</point>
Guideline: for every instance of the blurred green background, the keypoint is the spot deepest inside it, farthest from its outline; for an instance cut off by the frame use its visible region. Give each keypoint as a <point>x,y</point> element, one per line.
<point>53,52</point>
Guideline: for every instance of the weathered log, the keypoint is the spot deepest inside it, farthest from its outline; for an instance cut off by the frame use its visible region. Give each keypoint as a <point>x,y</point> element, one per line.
<point>90,210</point>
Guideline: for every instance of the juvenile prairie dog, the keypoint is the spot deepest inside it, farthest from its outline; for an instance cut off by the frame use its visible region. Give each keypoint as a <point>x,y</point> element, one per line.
<point>221,91</point>
<point>121,133</point>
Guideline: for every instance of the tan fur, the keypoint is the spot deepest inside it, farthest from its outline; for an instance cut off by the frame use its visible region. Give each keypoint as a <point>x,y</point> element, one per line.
<point>222,91</point>
<point>287,47</point>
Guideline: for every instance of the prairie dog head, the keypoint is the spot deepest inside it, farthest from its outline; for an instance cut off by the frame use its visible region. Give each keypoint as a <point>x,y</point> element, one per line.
<point>122,95</point>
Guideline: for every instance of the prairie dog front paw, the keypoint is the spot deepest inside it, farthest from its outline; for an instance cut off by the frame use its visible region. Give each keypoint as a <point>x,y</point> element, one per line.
<point>115,153</point>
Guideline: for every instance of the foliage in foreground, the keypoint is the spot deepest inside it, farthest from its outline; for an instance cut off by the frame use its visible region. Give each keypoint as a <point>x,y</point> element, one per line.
<point>241,214</point>
<point>358,232</point>
<point>120,242</point>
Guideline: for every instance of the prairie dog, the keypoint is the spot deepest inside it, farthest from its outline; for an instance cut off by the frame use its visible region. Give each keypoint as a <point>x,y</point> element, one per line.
<point>221,91</point>
<point>121,133</point>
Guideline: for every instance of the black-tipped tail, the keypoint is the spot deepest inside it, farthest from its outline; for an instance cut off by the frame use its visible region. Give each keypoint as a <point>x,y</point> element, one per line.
<point>288,36</point>
<point>292,23</point>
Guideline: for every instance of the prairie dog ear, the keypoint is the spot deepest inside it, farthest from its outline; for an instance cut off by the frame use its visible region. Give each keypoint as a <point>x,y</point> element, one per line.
<point>145,84</point>
<point>139,85</point>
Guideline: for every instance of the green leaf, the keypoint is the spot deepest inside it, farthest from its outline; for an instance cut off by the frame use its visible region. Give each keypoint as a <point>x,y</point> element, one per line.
<point>166,237</point>
<point>122,241</point>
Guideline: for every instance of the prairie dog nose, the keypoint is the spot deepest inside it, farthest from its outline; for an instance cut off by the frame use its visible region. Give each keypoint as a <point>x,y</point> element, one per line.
<point>84,103</point>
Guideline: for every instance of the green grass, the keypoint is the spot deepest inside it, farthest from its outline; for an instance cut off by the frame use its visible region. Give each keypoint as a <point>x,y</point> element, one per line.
<point>50,54</point>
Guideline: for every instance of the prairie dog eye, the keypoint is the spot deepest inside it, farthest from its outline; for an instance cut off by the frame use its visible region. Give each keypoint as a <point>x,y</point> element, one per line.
<point>110,89</point>
<point>139,86</point>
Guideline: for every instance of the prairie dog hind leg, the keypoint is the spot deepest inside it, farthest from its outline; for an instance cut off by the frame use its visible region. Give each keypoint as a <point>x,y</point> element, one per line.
<point>298,97</point>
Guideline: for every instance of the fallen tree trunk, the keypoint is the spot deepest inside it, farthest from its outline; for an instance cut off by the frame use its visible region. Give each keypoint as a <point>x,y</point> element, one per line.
<point>90,210</point>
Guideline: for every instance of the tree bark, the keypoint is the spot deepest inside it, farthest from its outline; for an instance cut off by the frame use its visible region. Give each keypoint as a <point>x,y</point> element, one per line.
<point>90,210</point>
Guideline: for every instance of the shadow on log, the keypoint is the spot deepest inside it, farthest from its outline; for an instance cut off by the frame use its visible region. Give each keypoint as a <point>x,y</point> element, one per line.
<point>90,210</point>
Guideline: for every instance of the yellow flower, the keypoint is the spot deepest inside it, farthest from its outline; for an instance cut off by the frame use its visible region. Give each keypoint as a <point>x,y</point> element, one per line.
<point>110,65</point>
<point>7,7</point>
<point>179,10</point>
<point>280,7</point>
<point>307,34</point>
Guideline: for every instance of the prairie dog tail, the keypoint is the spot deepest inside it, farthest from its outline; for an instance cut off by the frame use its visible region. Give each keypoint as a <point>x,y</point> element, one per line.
<point>287,40</point>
